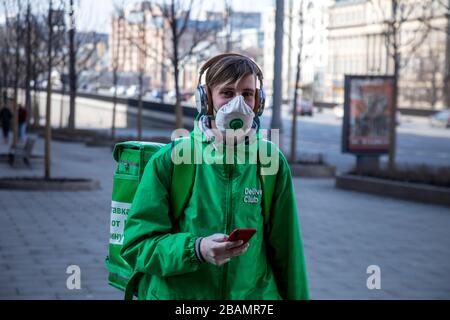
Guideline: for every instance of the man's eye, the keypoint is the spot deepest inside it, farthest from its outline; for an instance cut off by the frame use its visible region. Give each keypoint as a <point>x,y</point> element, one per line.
<point>248,94</point>
<point>227,93</point>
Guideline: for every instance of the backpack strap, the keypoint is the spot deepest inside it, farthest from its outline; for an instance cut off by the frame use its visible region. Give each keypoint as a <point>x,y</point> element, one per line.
<point>183,176</point>
<point>268,182</point>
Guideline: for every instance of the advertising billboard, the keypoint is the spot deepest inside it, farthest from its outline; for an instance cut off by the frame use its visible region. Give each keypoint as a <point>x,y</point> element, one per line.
<point>368,103</point>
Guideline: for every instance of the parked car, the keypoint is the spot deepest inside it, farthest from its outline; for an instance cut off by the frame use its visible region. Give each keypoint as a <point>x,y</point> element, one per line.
<point>157,94</point>
<point>132,91</point>
<point>440,119</point>
<point>338,111</point>
<point>120,90</point>
<point>305,107</point>
<point>184,96</point>
<point>398,118</point>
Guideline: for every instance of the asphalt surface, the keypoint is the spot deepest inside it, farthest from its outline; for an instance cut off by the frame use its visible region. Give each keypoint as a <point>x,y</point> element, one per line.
<point>344,233</point>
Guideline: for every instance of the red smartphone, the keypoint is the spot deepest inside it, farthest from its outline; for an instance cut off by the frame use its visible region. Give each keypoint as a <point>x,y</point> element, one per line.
<point>241,234</point>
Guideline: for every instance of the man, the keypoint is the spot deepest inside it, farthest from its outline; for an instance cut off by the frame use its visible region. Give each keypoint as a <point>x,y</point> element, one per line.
<point>5,118</point>
<point>22,122</point>
<point>190,258</point>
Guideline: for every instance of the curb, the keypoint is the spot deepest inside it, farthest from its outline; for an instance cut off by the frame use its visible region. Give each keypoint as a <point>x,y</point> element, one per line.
<point>312,170</point>
<point>395,189</point>
<point>54,184</point>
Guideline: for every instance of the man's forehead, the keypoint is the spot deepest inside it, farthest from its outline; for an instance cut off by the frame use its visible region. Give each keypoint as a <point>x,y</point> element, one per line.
<point>246,83</point>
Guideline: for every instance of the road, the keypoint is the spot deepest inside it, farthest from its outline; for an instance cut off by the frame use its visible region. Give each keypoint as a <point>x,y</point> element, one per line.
<point>417,142</point>
<point>343,233</point>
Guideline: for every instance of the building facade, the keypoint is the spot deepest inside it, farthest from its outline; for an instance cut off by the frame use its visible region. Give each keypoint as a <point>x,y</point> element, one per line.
<point>361,42</point>
<point>140,42</point>
<point>314,57</point>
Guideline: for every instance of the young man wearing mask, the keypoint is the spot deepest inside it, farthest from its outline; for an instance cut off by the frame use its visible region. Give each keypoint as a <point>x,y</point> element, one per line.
<point>190,258</point>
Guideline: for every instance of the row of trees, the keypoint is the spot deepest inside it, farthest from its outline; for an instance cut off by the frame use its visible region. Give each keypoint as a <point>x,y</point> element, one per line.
<point>39,40</point>
<point>37,44</point>
<point>183,36</point>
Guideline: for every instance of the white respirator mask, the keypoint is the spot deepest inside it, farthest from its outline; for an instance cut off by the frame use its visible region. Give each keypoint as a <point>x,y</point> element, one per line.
<point>234,115</point>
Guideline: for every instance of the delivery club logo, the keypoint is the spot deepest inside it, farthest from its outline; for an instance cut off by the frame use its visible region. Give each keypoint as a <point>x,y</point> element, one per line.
<point>252,195</point>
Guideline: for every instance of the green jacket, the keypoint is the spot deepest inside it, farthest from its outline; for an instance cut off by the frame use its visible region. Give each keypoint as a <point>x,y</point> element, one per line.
<point>224,197</point>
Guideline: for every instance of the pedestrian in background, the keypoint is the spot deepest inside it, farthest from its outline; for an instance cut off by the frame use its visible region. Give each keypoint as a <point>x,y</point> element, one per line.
<point>22,122</point>
<point>5,118</point>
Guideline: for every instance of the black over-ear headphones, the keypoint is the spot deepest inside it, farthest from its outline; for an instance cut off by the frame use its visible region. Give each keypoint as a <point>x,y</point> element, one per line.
<point>203,96</point>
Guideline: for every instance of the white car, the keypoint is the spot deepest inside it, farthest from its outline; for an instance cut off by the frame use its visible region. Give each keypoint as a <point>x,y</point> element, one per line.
<point>120,90</point>
<point>338,111</point>
<point>440,119</point>
<point>132,91</point>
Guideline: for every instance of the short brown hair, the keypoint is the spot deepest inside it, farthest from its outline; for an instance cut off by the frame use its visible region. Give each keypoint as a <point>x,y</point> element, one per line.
<point>230,69</point>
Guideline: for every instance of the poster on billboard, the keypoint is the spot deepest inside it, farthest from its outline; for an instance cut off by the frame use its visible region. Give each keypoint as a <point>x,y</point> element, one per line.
<point>367,106</point>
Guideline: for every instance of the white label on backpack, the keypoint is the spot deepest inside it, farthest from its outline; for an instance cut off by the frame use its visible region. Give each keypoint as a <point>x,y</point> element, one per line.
<point>119,214</point>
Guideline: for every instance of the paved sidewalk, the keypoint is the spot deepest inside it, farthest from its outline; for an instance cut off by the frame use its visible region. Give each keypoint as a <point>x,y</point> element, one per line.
<point>42,233</point>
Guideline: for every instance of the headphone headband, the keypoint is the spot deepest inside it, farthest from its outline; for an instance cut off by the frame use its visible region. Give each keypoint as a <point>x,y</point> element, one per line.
<point>219,57</point>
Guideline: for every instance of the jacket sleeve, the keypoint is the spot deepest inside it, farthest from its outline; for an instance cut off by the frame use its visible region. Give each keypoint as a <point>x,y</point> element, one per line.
<point>284,243</point>
<point>149,244</point>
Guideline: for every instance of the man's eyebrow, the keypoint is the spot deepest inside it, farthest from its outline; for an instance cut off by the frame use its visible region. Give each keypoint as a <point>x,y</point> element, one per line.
<point>233,88</point>
<point>228,88</point>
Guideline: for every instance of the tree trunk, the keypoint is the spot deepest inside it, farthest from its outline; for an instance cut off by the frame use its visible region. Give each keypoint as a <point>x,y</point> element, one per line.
<point>163,66</point>
<point>178,110</point>
<point>61,110</point>
<point>113,127</point>
<point>143,56</point>
<point>446,86</point>
<point>289,62</point>
<point>278,67</point>
<point>116,55</point>
<point>178,107</point>
<point>15,123</point>
<point>297,80</point>
<point>48,128</point>
<point>228,45</point>
<point>392,122</point>
<point>36,101</point>
<point>72,68</point>
<point>28,64</point>
<point>139,116</point>
<point>294,113</point>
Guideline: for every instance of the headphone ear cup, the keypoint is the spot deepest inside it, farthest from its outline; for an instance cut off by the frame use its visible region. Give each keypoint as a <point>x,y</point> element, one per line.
<point>260,101</point>
<point>201,99</point>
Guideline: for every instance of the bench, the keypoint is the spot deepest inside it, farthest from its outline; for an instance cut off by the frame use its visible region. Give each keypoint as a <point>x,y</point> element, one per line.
<point>21,152</point>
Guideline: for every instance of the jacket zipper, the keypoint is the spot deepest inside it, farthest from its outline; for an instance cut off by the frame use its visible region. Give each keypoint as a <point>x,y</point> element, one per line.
<point>228,217</point>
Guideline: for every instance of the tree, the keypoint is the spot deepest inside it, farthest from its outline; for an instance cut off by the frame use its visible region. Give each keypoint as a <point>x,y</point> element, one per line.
<point>187,37</point>
<point>297,82</point>
<point>55,23</point>
<point>447,55</point>
<point>427,70</point>
<point>72,67</point>
<point>401,48</point>
<point>443,6</point>
<point>77,62</point>
<point>28,49</point>
<point>118,25</point>
<point>142,60</point>
<point>278,66</point>
<point>48,127</point>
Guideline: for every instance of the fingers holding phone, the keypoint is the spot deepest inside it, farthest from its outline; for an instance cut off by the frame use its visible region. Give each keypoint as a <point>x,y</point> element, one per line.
<point>216,250</point>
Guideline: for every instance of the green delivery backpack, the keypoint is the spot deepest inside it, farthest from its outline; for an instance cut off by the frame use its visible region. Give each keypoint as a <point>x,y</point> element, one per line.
<point>131,158</point>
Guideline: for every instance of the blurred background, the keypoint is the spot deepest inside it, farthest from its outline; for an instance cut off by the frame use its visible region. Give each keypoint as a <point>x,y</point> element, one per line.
<point>371,168</point>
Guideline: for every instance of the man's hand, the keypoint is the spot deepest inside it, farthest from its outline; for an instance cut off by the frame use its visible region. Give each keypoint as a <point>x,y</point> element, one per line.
<point>216,250</point>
